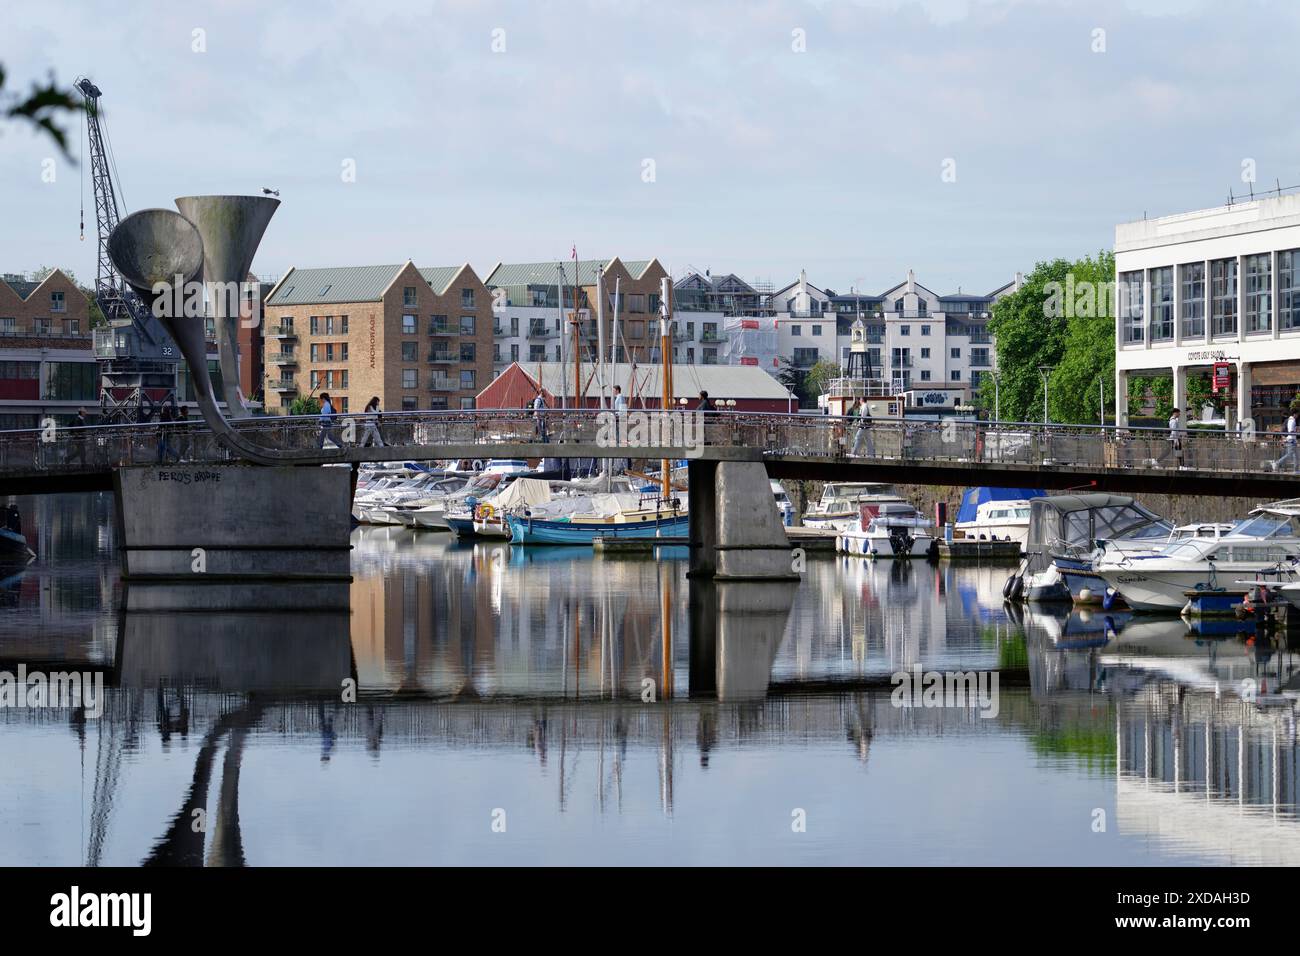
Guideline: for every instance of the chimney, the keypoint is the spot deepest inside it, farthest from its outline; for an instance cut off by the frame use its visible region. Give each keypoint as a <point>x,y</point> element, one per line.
<point>911,281</point>
<point>1020,280</point>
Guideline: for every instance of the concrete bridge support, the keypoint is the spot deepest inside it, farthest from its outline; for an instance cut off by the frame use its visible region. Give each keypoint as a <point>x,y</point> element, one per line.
<point>736,530</point>
<point>234,523</point>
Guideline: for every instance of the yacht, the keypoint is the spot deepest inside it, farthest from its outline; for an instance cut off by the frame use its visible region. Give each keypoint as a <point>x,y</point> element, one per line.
<point>783,505</point>
<point>890,531</point>
<point>1266,543</point>
<point>841,502</point>
<point>996,514</point>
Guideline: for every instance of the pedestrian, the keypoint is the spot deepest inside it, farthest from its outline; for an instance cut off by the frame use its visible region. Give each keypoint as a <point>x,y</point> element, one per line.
<point>863,412</point>
<point>327,422</point>
<point>78,447</point>
<point>539,415</point>
<point>371,431</point>
<point>1176,432</point>
<point>165,449</point>
<point>1288,443</point>
<point>705,405</point>
<point>620,414</point>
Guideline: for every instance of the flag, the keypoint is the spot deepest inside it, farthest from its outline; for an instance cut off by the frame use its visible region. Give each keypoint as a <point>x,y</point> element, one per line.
<point>573,254</point>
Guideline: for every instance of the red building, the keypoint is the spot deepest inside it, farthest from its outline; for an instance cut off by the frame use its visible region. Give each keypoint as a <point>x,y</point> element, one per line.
<point>751,389</point>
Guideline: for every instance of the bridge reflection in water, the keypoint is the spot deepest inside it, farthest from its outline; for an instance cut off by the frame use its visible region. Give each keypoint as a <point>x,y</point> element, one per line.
<point>558,688</point>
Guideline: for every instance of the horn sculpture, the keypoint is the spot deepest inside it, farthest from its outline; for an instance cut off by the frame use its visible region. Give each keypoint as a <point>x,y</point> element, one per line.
<point>156,245</point>
<point>232,229</point>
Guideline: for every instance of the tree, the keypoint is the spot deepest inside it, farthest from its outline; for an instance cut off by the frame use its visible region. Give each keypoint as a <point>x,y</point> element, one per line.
<point>304,405</point>
<point>40,108</point>
<point>819,378</point>
<point>795,379</point>
<point>1062,316</point>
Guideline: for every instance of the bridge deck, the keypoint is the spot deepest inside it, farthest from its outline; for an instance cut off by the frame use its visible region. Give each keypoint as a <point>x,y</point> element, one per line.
<point>791,446</point>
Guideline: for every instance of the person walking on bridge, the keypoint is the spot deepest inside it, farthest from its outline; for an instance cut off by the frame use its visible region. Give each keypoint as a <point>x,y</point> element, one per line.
<point>539,416</point>
<point>1176,432</point>
<point>863,413</point>
<point>371,432</point>
<point>327,423</point>
<point>78,449</point>
<point>1288,442</point>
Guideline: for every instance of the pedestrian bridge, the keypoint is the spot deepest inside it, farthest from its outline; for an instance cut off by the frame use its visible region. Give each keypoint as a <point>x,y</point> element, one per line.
<point>798,446</point>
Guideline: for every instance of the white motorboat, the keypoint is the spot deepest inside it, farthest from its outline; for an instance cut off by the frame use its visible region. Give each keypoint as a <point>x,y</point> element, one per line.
<point>1160,581</point>
<point>783,505</point>
<point>840,503</point>
<point>998,521</point>
<point>891,531</point>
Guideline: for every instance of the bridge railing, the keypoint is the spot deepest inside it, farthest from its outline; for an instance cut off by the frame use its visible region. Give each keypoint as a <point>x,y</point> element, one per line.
<point>96,448</point>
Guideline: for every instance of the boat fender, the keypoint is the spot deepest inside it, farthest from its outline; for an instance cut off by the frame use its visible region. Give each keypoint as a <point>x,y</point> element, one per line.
<point>1017,588</point>
<point>1108,599</point>
<point>1006,587</point>
<point>477,464</point>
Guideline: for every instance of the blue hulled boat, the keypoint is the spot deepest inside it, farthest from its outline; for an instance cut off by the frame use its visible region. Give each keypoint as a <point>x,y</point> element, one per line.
<point>540,531</point>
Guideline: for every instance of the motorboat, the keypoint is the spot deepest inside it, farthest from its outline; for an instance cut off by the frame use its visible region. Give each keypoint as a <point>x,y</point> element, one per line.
<point>887,530</point>
<point>1066,536</point>
<point>783,505</point>
<point>840,501</point>
<point>996,514</point>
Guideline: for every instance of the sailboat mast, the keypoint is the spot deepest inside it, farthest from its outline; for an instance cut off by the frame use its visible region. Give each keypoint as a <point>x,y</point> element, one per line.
<point>666,374</point>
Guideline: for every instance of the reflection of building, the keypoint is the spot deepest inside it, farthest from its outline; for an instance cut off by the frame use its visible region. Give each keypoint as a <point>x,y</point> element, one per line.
<point>1214,285</point>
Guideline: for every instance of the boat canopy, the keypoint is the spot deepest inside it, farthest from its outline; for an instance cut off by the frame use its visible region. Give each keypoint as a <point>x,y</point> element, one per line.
<point>523,493</point>
<point>1074,523</point>
<point>974,497</point>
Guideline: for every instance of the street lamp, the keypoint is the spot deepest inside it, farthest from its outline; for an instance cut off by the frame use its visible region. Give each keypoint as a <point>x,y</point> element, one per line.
<point>1044,371</point>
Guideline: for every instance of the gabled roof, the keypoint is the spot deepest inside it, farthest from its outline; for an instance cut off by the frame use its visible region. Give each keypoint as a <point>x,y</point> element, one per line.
<point>326,286</point>
<point>546,273</point>
<point>716,283</point>
<point>901,285</point>
<point>794,284</point>
<point>440,278</point>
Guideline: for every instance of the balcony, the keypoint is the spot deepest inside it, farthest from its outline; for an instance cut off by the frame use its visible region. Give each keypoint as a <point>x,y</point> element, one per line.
<point>443,357</point>
<point>441,328</point>
<point>280,332</point>
<point>540,331</point>
<point>710,337</point>
<point>285,385</point>
<point>860,387</point>
<point>283,358</point>
<point>443,383</point>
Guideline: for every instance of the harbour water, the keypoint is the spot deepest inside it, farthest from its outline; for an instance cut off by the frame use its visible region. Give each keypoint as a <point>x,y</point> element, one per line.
<point>478,704</point>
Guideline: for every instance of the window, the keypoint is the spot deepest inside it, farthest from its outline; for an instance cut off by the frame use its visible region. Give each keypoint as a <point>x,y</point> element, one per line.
<point>805,358</point>
<point>1259,292</point>
<point>409,352</point>
<point>408,403</point>
<point>1130,306</point>
<point>920,307</point>
<point>956,353</point>
<point>329,352</point>
<point>537,353</point>
<point>1288,289</point>
<point>816,330</point>
<point>1162,304</point>
<point>315,353</point>
<point>44,326</point>
<point>925,375</point>
<point>315,379</point>
<point>467,298</point>
<point>343,402</point>
<point>437,324</point>
<point>408,297</point>
<point>467,403</point>
<point>1192,306</point>
<point>636,330</point>
<point>315,324</point>
<point>467,325</point>
<point>343,379</point>
<point>925,330</point>
<point>925,353</point>
<point>898,305</point>
<point>408,325</point>
<point>979,357</point>
<point>654,302</point>
<point>467,351</point>
<point>467,378</point>
<point>956,375</point>
<point>514,326</point>
<point>796,330</point>
<point>409,378</point>
<point>438,402</point>
<point>1223,296</point>
<point>343,325</point>
<point>57,304</point>
<point>902,358</point>
<point>343,351</point>
<point>635,302</point>
<point>514,353</point>
<point>72,326</point>
<point>904,330</point>
<point>8,326</point>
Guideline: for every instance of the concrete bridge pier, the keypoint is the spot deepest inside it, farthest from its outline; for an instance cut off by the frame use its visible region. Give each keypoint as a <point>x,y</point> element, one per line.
<point>234,523</point>
<point>735,528</point>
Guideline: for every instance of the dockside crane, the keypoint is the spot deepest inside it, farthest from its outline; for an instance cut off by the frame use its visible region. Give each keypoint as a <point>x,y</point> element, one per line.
<point>137,359</point>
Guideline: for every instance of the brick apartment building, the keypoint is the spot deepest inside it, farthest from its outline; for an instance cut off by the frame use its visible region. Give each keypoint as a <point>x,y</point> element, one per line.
<point>528,321</point>
<point>47,365</point>
<point>417,338</point>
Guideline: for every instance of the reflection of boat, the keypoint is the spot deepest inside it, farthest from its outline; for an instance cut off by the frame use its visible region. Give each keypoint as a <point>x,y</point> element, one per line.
<point>13,544</point>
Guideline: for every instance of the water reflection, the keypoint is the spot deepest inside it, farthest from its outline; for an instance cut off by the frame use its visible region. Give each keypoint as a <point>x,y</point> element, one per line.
<point>619,712</point>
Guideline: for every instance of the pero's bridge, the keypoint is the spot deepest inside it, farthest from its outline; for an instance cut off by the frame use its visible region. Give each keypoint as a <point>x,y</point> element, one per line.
<point>815,447</point>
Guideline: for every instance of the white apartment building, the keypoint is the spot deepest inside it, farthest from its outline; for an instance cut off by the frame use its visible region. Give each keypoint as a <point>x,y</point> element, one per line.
<point>917,338</point>
<point>1217,285</point>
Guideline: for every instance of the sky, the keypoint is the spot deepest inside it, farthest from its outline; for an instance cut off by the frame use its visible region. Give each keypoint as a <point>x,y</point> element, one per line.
<point>965,140</point>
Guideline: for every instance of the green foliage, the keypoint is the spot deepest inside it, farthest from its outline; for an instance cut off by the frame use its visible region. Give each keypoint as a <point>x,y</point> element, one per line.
<point>304,405</point>
<point>1061,316</point>
<point>796,380</point>
<point>40,108</point>
<point>819,377</point>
